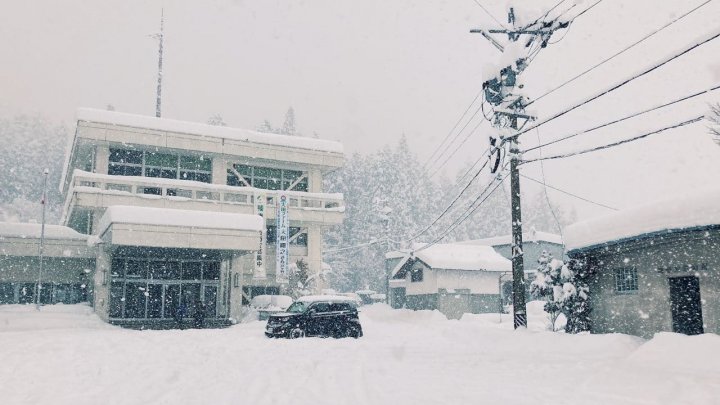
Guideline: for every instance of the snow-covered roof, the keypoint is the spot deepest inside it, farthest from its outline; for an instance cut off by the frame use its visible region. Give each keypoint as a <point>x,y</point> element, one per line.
<point>454,256</point>
<point>174,217</point>
<point>315,298</point>
<point>530,236</point>
<point>681,212</point>
<point>195,128</point>
<point>28,230</point>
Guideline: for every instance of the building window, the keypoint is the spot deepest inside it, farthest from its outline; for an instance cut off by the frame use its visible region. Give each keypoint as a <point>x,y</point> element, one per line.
<point>626,280</point>
<point>145,287</point>
<point>267,178</point>
<point>416,275</point>
<point>163,165</point>
<point>300,240</point>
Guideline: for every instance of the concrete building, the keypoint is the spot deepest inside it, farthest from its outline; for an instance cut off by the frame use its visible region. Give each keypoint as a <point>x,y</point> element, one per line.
<point>452,278</point>
<point>182,214</point>
<point>654,268</point>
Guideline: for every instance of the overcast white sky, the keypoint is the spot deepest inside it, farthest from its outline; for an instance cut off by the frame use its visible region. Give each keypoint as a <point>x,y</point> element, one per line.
<point>365,72</point>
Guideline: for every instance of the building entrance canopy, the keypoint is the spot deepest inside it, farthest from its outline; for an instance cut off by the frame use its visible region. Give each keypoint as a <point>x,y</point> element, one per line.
<point>172,228</point>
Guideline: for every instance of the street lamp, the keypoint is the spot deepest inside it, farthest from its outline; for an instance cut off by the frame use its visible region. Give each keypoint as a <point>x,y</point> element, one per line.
<point>43,202</point>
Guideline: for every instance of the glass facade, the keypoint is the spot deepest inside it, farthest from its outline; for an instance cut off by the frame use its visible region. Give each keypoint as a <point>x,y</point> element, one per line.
<point>267,178</point>
<point>124,162</point>
<point>50,293</point>
<point>164,287</point>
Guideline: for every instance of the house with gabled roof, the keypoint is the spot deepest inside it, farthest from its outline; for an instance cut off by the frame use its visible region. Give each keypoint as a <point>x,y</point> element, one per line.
<point>452,278</point>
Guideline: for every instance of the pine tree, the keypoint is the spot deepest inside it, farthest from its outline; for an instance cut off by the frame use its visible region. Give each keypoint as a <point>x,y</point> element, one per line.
<point>298,283</point>
<point>266,127</point>
<point>30,144</point>
<point>288,127</point>
<point>714,118</point>
<point>216,119</point>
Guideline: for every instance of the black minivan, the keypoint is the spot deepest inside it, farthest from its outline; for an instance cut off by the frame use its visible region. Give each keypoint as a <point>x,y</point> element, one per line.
<point>316,316</point>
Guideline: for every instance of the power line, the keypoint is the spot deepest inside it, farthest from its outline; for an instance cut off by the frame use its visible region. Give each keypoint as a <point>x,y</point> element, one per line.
<point>447,159</point>
<point>625,118</point>
<point>618,85</point>
<point>569,193</point>
<point>610,145</point>
<point>547,197</point>
<point>468,212</point>
<point>355,246</point>
<point>453,129</point>
<point>587,9</point>
<point>619,52</point>
<point>488,13</point>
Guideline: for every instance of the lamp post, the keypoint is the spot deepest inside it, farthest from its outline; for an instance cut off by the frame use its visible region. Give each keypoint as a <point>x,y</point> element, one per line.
<point>43,202</point>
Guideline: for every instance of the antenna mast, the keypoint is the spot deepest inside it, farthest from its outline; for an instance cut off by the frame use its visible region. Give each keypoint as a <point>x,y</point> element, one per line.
<point>160,60</point>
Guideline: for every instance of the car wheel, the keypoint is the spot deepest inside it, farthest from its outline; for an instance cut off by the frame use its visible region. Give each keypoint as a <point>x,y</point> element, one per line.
<point>357,333</point>
<point>296,333</point>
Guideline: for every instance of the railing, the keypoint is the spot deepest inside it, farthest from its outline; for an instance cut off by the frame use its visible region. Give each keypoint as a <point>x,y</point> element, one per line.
<point>197,191</point>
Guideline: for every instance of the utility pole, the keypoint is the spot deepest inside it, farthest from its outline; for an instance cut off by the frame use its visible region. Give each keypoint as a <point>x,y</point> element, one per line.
<point>508,111</point>
<point>160,38</point>
<point>41,252</point>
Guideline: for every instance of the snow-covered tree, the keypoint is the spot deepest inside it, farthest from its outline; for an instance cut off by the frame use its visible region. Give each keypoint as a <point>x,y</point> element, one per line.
<point>714,118</point>
<point>266,127</point>
<point>548,277</point>
<point>298,282</point>
<point>564,286</point>
<point>216,119</point>
<point>288,127</point>
<point>30,144</point>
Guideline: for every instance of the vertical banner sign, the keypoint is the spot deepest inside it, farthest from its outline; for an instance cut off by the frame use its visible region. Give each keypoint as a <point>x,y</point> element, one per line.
<point>259,273</point>
<point>282,241</point>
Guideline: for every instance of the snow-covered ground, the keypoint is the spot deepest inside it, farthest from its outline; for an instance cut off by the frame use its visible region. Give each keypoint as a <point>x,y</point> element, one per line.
<point>65,355</point>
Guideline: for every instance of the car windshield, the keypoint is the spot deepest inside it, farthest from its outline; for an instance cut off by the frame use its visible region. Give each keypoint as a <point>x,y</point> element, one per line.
<point>297,307</point>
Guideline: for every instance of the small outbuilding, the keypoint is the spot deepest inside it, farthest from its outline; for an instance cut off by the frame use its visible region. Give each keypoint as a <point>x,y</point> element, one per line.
<point>653,268</point>
<point>452,278</point>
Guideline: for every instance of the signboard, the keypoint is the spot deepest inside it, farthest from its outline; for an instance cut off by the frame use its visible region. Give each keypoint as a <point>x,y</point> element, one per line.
<point>282,241</point>
<point>259,272</point>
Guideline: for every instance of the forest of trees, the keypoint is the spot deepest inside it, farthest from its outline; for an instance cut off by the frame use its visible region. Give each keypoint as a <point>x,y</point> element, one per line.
<point>394,178</point>
<point>29,145</point>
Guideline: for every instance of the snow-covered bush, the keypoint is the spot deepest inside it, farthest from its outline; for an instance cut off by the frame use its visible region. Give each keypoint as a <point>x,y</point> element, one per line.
<point>564,287</point>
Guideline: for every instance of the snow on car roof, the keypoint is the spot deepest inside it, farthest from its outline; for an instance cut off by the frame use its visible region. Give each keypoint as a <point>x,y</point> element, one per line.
<point>315,298</point>
<point>682,212</point>
<point>196,128</point>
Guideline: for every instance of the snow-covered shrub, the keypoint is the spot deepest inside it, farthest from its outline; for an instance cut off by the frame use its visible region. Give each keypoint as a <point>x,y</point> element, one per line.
<point>564,287</point>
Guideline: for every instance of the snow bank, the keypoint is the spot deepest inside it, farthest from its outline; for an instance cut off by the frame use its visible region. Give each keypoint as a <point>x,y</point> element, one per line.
<point>405,357</point>
<point>682,212</point>
<point>27,230</point>
<point>173,217</point>
<point>194,128</point>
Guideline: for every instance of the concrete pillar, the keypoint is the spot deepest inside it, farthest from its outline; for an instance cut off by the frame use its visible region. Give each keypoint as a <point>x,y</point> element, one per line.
<point>314,181</point>
<point>238,263</point>
<point>219,170</point>
<point>314,233</point>
<point>101,284</point>
<point>102,159</point>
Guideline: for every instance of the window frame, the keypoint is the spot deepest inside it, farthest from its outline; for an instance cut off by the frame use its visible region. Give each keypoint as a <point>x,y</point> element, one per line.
<point>263,177</point>
<point>626,280</point>
<point>180,170</point>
